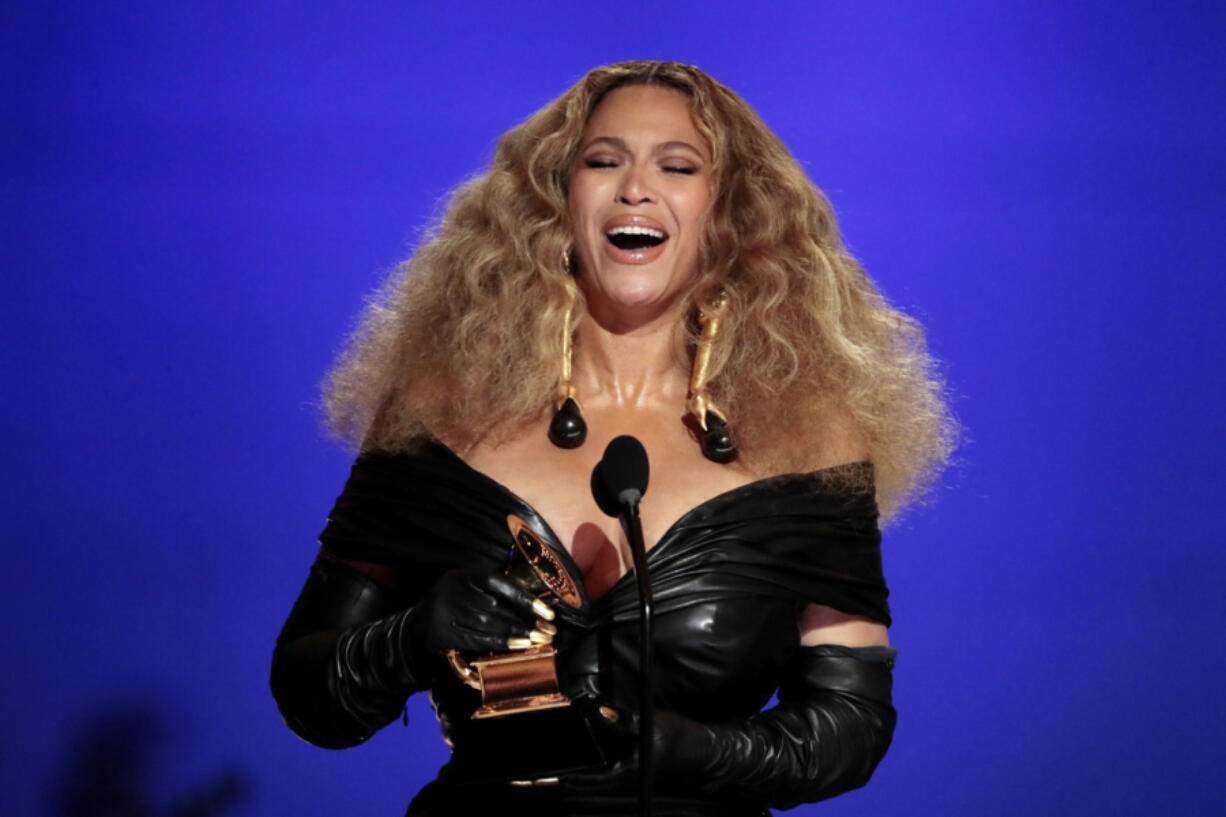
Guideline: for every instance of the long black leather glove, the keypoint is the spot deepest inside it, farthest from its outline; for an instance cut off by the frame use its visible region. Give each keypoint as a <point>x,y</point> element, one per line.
<point>833,724</point>
<point>344,663</point>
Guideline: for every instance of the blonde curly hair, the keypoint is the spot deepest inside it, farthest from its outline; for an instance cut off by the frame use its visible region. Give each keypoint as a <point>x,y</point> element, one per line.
<point>463,341</point>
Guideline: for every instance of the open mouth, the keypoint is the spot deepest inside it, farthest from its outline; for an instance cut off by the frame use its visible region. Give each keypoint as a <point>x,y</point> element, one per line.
<point>635,237</point>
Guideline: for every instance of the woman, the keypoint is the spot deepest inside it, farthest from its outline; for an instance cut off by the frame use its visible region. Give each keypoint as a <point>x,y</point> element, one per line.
<point>644,257</point>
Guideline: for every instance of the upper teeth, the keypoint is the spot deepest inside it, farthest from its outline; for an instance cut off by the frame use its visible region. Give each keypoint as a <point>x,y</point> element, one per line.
<point>637,230</point>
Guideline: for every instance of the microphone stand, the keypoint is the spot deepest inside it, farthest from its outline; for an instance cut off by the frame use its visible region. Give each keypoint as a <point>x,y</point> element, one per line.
<point>633,527</point>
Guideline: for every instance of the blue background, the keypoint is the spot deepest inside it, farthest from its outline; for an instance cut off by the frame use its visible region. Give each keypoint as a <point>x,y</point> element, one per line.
<point>197,198</point>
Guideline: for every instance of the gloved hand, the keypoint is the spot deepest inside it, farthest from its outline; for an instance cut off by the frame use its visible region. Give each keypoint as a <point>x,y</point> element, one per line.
<point>465,611</point>
<point>832,726</point>
<point>677,742</point>
<point>343,667</point>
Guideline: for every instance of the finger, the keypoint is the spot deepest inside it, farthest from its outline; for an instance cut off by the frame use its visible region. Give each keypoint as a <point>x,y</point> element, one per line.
<point>497,630</point>
<point>498,640</point>
<point>542,609</point>
<point>538,637</point>
<point>503,621</point>
<point>611,778</point>
<point>481,641</point>
<point>493,627</point>
<point>612,715</point>
<point>517,598</point>
<point>500,590</point>
<point>539,781</point>
<point>535,638</point>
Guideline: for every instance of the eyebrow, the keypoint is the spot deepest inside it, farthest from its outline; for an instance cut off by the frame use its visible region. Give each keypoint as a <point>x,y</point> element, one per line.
<point>663,147</point>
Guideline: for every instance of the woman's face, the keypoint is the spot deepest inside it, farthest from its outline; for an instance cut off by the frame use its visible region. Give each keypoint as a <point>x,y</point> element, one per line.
<point>638,198</point>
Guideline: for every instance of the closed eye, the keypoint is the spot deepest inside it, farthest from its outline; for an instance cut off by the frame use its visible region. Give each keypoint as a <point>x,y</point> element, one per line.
<point>685,170</point>
<point>598,163</point>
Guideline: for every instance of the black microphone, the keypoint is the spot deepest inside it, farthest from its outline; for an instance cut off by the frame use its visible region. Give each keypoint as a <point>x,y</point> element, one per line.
<point>619,481</point>
<point>621,476</point>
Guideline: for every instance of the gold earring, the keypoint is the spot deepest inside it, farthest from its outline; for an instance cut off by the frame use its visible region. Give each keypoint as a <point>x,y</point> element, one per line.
<point>567,428</point>
<point>717,442</point>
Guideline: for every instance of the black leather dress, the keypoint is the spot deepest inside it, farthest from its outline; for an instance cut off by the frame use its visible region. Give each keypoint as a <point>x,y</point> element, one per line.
<point>729,578</point>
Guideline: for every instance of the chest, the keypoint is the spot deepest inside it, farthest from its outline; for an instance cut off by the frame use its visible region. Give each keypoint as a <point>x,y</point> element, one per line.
<point>557,483</point>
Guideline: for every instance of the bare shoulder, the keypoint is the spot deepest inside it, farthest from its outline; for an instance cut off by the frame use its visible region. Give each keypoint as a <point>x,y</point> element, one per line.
<point>820,624</point>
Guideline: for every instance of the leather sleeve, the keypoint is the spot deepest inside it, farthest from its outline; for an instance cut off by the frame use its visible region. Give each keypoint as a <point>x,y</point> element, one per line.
<point>832,726</point>
<point>334,673</point>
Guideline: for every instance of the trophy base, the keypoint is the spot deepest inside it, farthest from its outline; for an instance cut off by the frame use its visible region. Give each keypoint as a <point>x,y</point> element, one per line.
<point>525,728</point>
<point>516,683</point>
<point>543,742</point>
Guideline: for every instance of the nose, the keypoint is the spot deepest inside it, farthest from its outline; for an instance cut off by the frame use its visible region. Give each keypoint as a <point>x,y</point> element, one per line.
<point>634,188</point>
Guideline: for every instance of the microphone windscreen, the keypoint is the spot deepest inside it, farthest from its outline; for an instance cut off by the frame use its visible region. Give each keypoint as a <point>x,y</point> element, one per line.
<point>624,467</point>
<point>604,500</point>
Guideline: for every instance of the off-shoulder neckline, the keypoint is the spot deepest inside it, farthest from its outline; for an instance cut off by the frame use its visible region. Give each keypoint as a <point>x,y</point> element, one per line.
<point>749,488</point>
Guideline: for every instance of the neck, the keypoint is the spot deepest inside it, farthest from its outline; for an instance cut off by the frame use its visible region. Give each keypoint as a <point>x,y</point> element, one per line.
<point>632,363</point>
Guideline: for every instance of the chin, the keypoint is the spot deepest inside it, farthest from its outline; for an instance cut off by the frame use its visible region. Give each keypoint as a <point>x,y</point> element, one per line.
<point>626,295</point>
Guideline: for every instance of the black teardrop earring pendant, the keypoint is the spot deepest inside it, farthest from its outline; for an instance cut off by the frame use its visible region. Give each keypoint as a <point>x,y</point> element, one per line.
<point>717,443</point>
<point>567,428</point>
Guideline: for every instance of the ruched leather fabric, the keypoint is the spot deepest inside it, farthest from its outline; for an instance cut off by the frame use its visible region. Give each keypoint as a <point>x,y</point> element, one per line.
<point>833,724</point>
<point>729,578</point>
<point>314,671</point>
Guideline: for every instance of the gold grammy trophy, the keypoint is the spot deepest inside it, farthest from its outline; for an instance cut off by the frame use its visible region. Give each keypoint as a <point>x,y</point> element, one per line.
<point>525,725</point>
